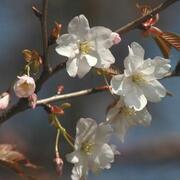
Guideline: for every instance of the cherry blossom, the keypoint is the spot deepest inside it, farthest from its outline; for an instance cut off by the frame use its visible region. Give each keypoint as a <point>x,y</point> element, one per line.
<point>91,149</point>
<point>86,47</point>
<point>121,117</point>
<point>139,83</point>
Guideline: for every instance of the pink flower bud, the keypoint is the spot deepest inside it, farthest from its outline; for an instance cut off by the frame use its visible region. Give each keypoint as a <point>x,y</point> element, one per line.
<point>59,164</point>
<point>116,39</point>
<point>60,89</point>
<point>25,86</point>
<point>32,100</point>
<point>4,100</point>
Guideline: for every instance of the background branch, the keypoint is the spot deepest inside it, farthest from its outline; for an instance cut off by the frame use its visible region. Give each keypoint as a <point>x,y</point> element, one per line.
<point>22,104</point>
<point>137,22</point>
<point>45,35</point>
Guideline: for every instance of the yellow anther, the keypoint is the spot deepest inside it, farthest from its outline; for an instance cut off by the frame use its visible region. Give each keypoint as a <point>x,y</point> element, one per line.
<point>87,148</point>
<point>84,47</point>
<point>126,111</point>
<point>138,78</point>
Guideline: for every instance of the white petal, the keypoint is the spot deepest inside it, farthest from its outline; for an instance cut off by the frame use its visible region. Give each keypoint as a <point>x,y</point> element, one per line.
<point>137,50</point>
<point>120,125</point>
<point>116,84</point>
<point>103,156</point>
<point>85,128</point>
<point>73,157</point>
<point>67,45</point>
<point>79,26</point>
<point>92,60</point>
<point>154,91</point>
<point>102,37</point>
<point>80,171</point>
<point>132,63</point>
<point>112,112</point>
<point>105,58</point>
<point>136,99</point>
<point>83,67</point>
<point>72,67</point>
<point>142,117</point>
<point>103,133</point>
<point>162,67</point>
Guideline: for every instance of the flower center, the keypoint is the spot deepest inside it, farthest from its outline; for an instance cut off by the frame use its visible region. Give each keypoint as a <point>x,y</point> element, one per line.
<point>84,47</point>
<point>127,111</point>
<point>25,86</point>
<point>87,148</point>
<point>138,78</point>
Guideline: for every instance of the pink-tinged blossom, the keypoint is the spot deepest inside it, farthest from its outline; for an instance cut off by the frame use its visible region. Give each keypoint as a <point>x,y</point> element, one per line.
<point>24,86</point>
<point>139,83</point>
<point>86,47</point>
<point>4,100</point>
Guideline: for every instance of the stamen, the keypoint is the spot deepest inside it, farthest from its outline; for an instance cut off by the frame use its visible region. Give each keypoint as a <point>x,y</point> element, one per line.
<point>138,78</point>
<point>127,111</point>
<point>87,148</point>
<point>84,47</point>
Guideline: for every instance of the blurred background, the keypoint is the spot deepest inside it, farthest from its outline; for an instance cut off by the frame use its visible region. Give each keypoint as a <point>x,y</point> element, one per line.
<point>148,153</point>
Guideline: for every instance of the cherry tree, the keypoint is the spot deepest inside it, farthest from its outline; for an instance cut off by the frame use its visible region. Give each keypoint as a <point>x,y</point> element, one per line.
<point>85,49</point>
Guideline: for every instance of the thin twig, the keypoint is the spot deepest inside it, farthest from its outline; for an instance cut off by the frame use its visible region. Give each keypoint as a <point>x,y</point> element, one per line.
<point>22,104</point>
<point>73,94</point>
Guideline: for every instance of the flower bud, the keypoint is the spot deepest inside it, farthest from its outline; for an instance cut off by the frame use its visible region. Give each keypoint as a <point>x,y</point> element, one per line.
<point>60,89</point>
<point>56,30</point>
<point>32,100</point>
<point>116,39</point>
<point>24,86</point>
<point>55,33</point>
<point>4,100</point>
<point>59,164</point>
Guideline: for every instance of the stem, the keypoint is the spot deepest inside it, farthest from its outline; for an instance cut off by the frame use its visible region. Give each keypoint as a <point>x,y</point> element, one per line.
<point>57,142</point>
<point>45,35</point>
<point>63,131</point>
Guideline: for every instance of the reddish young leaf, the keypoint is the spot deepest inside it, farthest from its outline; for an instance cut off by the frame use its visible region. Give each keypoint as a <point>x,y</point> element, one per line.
<point>57,110</point>
<point>164,46</point>
<point>172,38</point>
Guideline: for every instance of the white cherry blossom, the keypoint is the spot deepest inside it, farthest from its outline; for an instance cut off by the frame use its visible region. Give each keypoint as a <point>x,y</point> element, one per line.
<point>122,117</point>
<point>139,82</point>
<point>91,149</point>
<point>86,47</point>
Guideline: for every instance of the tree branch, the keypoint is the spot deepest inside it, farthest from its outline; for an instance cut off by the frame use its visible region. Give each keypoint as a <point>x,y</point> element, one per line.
<point>45,35</point>
<point>137,23</point>
<point>22,104</point>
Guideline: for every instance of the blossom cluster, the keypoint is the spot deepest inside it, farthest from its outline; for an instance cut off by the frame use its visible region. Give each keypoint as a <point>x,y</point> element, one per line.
<point>88,48</point>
